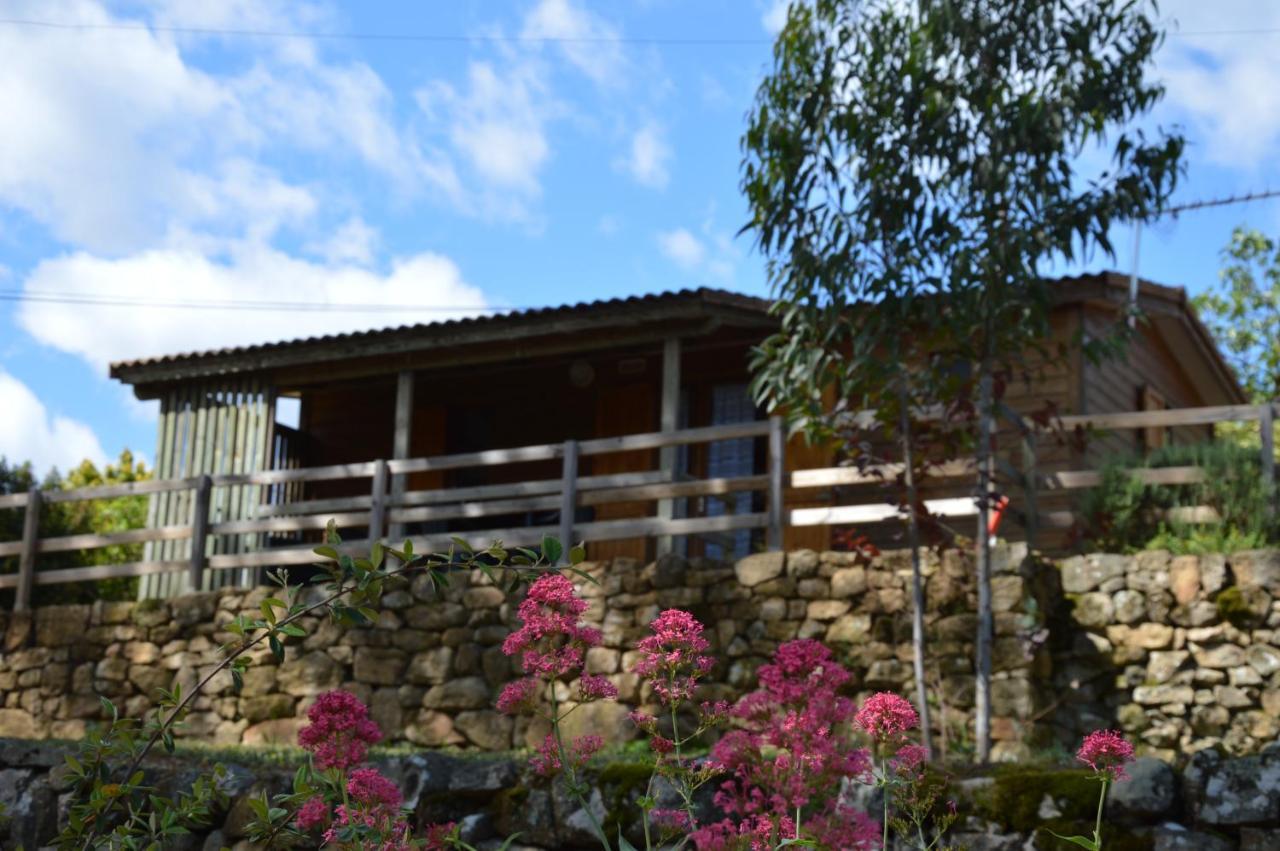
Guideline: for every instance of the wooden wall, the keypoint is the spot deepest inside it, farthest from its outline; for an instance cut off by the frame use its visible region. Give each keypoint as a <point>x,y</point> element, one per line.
<point>215,428</point>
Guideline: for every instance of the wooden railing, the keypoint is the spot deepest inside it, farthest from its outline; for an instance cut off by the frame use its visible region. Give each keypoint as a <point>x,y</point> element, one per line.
<point>378,509</point>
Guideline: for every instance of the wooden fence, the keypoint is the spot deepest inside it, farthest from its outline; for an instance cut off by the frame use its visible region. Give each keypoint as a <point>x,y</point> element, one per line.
<point>384,506</point>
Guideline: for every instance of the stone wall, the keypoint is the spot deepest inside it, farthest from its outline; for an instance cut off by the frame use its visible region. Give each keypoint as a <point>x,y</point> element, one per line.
<point>432,667</point>
<point>1183,653</point>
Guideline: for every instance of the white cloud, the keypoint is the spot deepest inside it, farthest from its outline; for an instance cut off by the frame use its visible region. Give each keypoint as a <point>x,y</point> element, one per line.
<point>496,123</point>
<point>775,16</point>
<point>117,141</point>
<point>710,253</point>
<point>29,432</point>
<point>587,41</point>
<point>250,273</point>
<point>353,242</point>
<point>682,248</point>
<point>649,154</point>
<point>1225,90</point>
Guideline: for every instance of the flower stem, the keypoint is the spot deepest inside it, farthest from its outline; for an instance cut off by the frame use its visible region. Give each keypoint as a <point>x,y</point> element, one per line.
<point>1097,827</point>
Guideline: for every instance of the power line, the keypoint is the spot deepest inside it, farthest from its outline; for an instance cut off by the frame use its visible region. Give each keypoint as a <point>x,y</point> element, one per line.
<point>104,300</point>
<point>459,38</point>
<point>441,38</point>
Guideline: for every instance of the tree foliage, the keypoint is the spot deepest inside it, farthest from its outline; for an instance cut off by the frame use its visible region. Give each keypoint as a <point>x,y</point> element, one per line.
<point>99,516</point>
<point>1243,311</point>
<point>912,171</point>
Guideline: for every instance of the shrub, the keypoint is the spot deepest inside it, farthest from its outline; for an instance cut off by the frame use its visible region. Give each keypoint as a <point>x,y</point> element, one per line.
<point>1123,515</point>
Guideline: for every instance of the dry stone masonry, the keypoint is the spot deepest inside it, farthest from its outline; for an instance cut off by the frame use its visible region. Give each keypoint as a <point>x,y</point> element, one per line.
<point>1182,652</point>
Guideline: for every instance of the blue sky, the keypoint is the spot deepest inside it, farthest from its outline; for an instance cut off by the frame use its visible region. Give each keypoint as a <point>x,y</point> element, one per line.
<point>505,167</point>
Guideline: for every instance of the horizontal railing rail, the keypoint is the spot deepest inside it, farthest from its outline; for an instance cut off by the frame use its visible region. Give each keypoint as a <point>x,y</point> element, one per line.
<point>374,512</point>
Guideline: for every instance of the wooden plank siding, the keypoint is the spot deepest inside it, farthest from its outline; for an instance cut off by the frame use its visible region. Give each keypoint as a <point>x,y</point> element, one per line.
<point>1116,384</point>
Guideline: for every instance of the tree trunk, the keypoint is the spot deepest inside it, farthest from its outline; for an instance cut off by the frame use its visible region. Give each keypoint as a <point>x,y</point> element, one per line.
<point>917,580</point>
<point>982,690</point>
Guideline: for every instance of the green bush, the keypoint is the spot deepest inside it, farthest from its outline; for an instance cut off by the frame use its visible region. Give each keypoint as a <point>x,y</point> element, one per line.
<point>1124,515</point>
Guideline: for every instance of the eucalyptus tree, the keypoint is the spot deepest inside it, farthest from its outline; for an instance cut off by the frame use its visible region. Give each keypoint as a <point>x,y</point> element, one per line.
<point>912,171</point>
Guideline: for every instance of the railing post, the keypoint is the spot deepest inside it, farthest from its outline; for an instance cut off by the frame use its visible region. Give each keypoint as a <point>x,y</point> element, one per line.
<point>30,544</point>
<point>199,531</point>
<point>568,496</point>
<point>1266,431</point>
<point>378,511</point>
<point>777,470</point>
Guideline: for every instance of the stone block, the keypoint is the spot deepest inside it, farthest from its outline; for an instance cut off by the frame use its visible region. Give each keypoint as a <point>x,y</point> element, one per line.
<point>760,567</point>
<point>461,693</point>
<point>485,729</point>
<point>1081,574</point>
<point>430,667</point>
<point>379,666</point>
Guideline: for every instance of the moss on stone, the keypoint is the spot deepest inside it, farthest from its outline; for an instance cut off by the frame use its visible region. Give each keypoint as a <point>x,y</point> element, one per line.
<point>621,782</point>
<point>1014,798</point>
<point>1234,607</point>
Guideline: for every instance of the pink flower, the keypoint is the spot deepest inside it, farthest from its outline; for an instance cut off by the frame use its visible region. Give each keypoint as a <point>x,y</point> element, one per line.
<point>661,744</point>
<point>885,715</point>
<point>670,820</point>
<point>369,788</point>
<point>550,642</point>
<point>438,835</point>
<point>1107,752</point>
<point>643,720</point>
<point>340,731</point>
<point>671,657</point>
<point>592,687</point>
<point>519,696</point>
<point>314,813</point>
<point>549,760</point>
<point>908,759</point>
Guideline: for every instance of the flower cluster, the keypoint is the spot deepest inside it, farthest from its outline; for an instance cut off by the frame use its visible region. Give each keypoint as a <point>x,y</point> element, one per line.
<point>1107,753</point>
<point>340,731</point>
<point>549,758</point>
<point>792,752</point>
<point>356,808</point>
<point>552,646</point>
<point>885,717</point>
<point>671,658</point>
<point>550,642</point>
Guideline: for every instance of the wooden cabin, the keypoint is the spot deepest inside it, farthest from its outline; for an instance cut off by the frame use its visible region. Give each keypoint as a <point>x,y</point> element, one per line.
<point>655,363</point>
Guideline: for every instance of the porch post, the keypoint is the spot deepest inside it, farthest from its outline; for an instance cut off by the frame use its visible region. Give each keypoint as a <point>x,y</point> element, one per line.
<point>400,449</point>
<point>670,421</point>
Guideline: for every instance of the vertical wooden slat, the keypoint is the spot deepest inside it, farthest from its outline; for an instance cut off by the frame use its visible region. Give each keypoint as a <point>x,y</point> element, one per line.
<point>777,472</point>
<point>568,496</point>
<point>199,532</point>
<point>166,583</point>
<point>30,545</point>
<point>669,420</point>
<point>378,513</point>
<point>220,449</point>
<point>401,439</point>
<point>236,494</point>
<point>158,505</point>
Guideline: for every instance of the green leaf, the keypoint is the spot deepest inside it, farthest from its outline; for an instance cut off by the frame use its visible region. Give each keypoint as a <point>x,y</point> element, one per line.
<point>551,549</point>
<point>327,552</point>
<point>376,554</point>
<point>277,649</point>
<point>1082,841</point>
<point>623,844</point>
<point>577,554</point>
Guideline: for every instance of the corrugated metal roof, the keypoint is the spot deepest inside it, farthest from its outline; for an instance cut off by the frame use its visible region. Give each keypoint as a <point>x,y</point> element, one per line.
<point>513,317</point>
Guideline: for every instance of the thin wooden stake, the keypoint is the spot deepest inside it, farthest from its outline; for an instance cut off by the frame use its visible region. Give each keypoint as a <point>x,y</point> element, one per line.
<point>199,532</point>
<point>1266,430</point>
<point>568,497</point>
